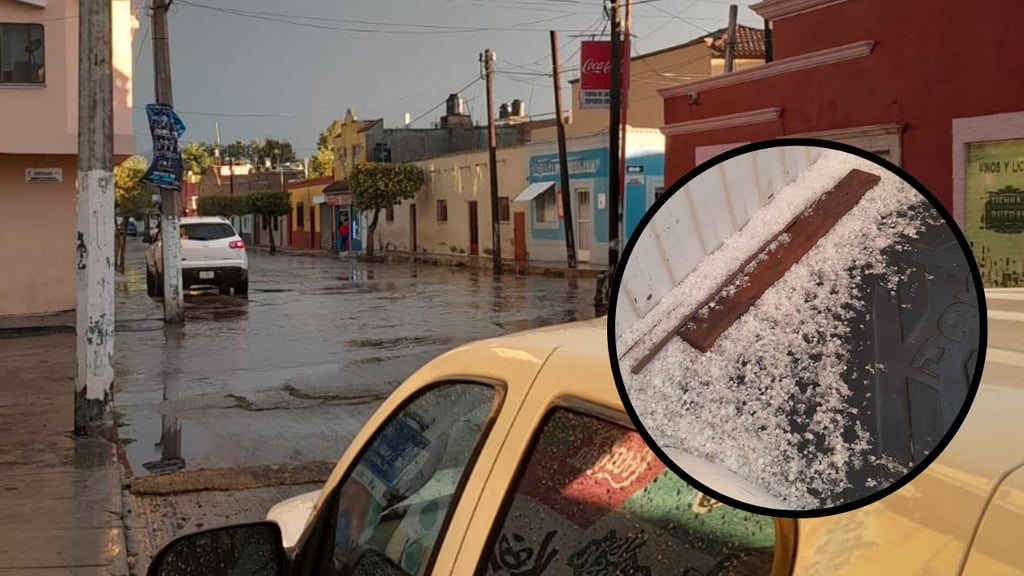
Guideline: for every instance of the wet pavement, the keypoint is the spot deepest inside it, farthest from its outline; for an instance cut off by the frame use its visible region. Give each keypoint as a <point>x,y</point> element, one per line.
<point>291,373</point>
<point>60,495</point>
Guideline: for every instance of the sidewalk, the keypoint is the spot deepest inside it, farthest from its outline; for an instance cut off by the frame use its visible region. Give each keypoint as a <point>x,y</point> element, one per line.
<point>531,267</point>
<point>60,495</point>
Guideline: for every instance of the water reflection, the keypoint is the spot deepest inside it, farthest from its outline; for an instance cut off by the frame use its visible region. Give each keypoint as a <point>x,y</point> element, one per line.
<point>170,426</point>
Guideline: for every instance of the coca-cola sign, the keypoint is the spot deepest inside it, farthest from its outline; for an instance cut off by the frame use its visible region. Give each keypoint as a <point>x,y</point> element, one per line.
<point>595,65</point>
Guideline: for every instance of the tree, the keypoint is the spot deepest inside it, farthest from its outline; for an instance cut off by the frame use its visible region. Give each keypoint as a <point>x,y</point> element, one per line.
<point>267,206</point>
<point>323,162</point>
<point>377,187</point>
<point>196,157</point>
<point>131,200</point>
<point>279,151</point>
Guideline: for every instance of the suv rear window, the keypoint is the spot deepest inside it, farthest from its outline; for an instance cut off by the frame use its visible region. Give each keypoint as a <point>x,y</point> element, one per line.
<point>593,499</point>
<point>207,231</point>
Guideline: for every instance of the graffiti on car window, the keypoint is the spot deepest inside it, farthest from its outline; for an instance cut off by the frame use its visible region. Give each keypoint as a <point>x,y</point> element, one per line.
<point>517,557</point>
<point>610,555</point>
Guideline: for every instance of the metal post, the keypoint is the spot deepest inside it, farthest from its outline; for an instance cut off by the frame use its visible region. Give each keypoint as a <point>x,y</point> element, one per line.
<point>614,127</point>
<point>170,240</point>
<point>563,162</point>
<point>488,62</point>
<point>94,324</point>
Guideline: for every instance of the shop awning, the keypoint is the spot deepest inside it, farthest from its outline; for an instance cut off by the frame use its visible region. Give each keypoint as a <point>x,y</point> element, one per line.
<point>534,190</point>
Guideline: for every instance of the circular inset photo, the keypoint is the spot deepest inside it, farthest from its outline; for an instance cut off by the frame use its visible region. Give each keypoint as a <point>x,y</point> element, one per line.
<point>798,327</point>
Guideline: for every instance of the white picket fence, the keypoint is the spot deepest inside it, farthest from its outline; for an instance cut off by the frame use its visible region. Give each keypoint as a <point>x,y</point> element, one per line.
<point>697,218</point>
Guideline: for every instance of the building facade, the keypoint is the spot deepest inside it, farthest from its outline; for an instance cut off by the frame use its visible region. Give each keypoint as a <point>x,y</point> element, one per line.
<point>887,78</point>
<point>451,215</point>
<point>39,147</point>
<point>643,180</point>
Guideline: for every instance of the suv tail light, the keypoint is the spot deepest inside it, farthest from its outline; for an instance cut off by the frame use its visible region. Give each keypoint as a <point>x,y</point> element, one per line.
<point>239,244</point>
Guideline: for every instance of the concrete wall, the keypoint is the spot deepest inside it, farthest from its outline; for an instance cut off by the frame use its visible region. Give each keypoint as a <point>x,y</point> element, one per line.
<point>43,118</point>
<point>414,144</point>
<point>695,220</point>
<point>38,228</point>
<point>458,179</point>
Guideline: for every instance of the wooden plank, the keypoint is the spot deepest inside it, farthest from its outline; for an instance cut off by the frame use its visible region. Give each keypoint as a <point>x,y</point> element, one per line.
<point>804,233</point>
<point>847,190</point>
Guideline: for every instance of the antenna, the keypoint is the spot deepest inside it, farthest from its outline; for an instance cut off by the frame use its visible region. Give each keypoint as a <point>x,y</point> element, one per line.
<point>216,149</point>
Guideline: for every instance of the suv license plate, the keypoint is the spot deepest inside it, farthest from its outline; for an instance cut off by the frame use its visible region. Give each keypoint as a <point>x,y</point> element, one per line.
<point>206,275</point>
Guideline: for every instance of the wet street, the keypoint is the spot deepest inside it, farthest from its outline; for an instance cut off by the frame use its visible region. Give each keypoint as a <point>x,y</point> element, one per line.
<point>290,374</point>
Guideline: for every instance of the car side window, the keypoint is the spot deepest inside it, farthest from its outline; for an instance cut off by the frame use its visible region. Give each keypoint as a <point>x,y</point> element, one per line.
<point>593,499</point>
<point>395,503</point>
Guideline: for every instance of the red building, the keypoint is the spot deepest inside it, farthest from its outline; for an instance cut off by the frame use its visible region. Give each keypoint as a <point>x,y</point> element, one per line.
<point>936,86</point>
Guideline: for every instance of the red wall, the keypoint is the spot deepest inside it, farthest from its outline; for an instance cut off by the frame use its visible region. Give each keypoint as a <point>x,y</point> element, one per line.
<point>934,60</point>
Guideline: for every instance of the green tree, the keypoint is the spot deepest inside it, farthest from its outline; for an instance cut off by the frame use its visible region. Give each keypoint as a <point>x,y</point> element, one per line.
<point>279,151</point>
<point>267,206</point>
<point>322,162</point>
<point>197,157</point>
<point>377,187</point>
<point>131,200</point>
<point>226,206</point>
<point>240,150</point>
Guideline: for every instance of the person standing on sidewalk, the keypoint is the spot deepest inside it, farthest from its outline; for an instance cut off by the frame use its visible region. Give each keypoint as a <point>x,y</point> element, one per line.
<point>343,231</point>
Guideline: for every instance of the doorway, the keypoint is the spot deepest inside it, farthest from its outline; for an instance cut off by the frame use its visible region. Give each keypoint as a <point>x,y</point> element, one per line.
<point>474,230</point>
<point>412,229</point>
<point>584,226</point>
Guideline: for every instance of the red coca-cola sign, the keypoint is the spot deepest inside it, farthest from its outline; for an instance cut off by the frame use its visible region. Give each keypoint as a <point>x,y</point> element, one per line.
<point>595,65</point>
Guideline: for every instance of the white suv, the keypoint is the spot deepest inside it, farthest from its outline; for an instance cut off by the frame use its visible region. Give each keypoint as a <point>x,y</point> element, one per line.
<point>212,254</point>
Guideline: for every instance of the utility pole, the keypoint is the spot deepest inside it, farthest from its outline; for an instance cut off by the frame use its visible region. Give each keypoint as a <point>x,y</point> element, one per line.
<point>487,60</point>
<point>614,128</point>
<point>563,161</point>
<point>170,239</point>
<point>730,42</point>
<point>231,174</point>
<point>627,55</point>
<point>94,325</point>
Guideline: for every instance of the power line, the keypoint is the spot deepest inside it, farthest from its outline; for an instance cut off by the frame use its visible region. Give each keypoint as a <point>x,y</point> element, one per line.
<point>365,26</point>
<point>445,101</point>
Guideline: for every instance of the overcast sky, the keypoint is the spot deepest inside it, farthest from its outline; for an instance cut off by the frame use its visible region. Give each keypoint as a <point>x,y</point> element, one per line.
<point>264,68</point>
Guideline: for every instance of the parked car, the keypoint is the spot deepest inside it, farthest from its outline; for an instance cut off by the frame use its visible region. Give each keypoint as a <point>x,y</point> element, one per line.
<point>514,456</point>
<point>212,254</point>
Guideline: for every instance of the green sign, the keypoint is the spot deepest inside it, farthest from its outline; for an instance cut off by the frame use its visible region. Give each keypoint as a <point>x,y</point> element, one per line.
<point>994,210</point>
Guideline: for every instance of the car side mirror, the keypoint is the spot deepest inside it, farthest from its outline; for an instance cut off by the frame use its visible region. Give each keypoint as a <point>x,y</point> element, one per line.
<point>252,549</point>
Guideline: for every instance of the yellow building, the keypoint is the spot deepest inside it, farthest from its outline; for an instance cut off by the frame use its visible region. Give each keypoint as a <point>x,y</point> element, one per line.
<point>451,215</point>
<point>305,230</point>
<point>349,145</point>
<point>699,58</point>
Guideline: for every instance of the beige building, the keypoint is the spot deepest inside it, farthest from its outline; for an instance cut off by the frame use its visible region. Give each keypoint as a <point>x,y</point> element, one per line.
<point>39,147</point>
<point>451,215</point>
<point>699,58</point>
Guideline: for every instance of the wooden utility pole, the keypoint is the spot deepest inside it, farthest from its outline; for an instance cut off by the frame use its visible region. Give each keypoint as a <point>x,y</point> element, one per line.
<point>170,239</point>
<point>627,55</point>
<point>487,59</point>
<point>614,131</point>
<point>94,324</point>
<point>563,161</point>
<point>730,41</point>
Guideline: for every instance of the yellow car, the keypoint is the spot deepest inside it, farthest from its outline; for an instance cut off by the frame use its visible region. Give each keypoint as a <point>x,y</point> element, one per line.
<point>513,456</point>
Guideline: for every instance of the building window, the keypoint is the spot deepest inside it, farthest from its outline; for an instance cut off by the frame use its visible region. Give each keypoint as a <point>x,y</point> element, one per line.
<point>22,54</point>
<point>544,207</point>
<point>389,214</point>
<point>442,210</point>
<point>504,211</point>
<point>300,216</point>
<point>357,150</point>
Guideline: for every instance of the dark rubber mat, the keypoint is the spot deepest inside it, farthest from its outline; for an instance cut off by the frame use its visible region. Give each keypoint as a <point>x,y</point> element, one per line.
<point>913,355</point>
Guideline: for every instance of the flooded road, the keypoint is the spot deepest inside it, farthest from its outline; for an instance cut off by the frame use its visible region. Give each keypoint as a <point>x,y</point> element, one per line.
<point>291,374</point>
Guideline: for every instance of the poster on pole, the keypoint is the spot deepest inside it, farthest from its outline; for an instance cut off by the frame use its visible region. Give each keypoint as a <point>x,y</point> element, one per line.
<point>994,210</point>
<point>166,128</point>
<point>595,73</point>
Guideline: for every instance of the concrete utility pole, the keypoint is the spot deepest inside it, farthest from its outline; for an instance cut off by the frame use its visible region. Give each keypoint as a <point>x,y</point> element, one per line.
<point>94,323</point>
<point>174,298</point>
<point>730,42</point>
<point>563,161</point>
<point>487,59</point>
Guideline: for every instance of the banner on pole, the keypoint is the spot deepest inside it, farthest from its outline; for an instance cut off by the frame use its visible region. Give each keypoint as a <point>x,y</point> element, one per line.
<point>166,128</point>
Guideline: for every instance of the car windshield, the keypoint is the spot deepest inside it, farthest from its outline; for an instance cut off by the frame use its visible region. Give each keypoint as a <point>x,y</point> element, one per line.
<point>207,231</point>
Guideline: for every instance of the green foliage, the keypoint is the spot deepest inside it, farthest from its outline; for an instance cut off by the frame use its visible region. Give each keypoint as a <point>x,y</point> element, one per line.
<point>223,205</point>
<point>279,151</point>
<point>326,139</point>
<point>197,157</point>
<point>376,186</point>
<point>322,164</point>
<point>269,204</point>
<point>131,197</point>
